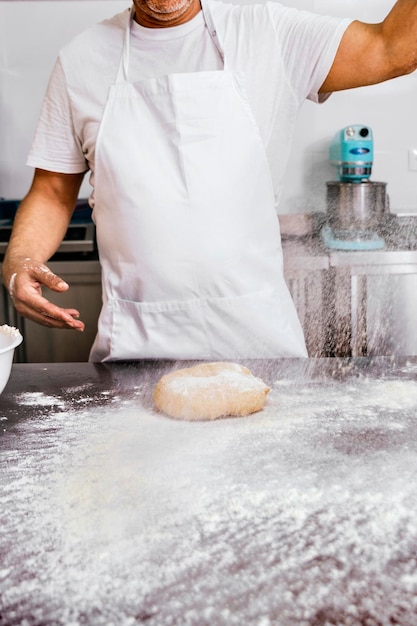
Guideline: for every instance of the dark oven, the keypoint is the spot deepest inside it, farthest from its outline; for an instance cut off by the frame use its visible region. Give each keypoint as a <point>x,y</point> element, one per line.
<point>79,239</point>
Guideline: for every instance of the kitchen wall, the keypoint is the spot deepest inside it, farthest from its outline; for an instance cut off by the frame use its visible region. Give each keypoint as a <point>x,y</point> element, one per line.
<point>388,108</point>
<point>31,33</point>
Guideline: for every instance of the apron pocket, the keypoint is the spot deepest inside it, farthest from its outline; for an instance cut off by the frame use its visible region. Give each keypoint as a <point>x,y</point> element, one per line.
<point>255,325</point>
<point>252,326</point>
<point>158,330</point>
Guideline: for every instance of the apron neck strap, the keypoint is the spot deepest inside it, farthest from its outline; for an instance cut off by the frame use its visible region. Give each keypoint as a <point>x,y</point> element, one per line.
<point>208,19</point>
<point>123,71</point>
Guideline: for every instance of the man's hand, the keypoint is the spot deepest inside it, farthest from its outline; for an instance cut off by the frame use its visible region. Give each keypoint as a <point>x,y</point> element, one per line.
<point>39,227</point>
<point>25,289</point>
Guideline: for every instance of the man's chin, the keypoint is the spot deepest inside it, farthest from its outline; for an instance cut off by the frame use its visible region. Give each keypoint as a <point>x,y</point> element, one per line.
<point>165,10</point>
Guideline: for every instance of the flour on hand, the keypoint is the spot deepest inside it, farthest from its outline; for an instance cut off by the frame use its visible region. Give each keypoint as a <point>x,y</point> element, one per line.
<point>210,390</point>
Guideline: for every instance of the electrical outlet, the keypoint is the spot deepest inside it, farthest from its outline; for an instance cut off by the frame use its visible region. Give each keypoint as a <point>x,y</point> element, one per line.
<point>412,159</point>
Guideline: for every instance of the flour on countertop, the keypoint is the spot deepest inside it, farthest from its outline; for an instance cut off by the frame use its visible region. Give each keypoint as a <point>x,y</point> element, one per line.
<point>303,514</point>
<point>38,398</point>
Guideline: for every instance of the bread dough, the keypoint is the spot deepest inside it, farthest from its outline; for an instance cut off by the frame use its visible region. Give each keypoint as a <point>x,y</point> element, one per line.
<point>210,390</point>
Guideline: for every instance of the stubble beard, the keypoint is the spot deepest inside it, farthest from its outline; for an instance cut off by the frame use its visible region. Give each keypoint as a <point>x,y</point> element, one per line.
<point>163,10</point>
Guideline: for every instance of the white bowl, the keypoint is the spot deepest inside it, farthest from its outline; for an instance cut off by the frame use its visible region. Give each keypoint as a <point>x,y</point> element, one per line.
<point>10,338</point>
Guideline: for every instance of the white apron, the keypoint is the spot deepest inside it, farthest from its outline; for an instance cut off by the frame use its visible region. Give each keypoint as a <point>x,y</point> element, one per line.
<point>187,231</point>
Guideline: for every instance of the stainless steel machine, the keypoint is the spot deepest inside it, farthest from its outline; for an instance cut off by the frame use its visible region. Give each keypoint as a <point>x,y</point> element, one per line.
<point>357,208</point>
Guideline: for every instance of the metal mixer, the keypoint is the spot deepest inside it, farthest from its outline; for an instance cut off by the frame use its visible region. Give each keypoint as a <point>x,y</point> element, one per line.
<point>356,206</point>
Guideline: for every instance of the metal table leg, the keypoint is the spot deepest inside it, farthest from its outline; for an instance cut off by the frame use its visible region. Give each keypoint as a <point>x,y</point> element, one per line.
<point>358,303</point>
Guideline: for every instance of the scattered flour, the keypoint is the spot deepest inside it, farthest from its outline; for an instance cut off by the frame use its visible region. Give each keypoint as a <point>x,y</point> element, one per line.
<point>301,515</point>
<point>38,398</point>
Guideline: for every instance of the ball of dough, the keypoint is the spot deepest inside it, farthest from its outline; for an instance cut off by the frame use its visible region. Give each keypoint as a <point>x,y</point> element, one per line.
<point>210,390</point>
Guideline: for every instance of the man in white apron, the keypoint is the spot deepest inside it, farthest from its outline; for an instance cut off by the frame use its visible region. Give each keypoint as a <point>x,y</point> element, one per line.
<point>193,268</point>
<point>184,206</point>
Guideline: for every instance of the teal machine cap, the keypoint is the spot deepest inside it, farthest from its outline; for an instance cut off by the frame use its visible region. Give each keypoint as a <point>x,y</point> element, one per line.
<point>352,153</point>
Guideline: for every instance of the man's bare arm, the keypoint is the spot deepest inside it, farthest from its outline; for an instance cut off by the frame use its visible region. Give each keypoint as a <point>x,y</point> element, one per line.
<point>39,227</point>
<point>372,53</point>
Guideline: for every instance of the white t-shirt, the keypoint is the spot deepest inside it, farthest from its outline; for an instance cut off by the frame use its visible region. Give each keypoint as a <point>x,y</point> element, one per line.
<point>285,54</point>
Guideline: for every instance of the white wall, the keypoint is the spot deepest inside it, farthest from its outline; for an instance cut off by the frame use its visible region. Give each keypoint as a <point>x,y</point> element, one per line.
<point>32,32</point>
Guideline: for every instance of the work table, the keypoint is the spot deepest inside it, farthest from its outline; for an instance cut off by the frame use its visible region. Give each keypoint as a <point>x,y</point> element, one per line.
<point>354,303</point>
<point>302,514</point>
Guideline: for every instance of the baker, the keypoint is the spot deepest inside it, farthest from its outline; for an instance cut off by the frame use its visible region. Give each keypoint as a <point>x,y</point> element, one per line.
<point>174,108</point>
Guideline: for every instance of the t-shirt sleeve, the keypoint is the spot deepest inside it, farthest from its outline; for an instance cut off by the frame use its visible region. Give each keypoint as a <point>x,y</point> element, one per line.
<point>55,146</point>
<point>308,44</point>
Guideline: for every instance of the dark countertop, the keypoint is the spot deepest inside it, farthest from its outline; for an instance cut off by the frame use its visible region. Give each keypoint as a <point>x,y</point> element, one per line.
<point>300,515</point>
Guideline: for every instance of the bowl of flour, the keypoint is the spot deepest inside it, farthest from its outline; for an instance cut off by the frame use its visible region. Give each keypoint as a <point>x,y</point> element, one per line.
<point>10,338</point>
